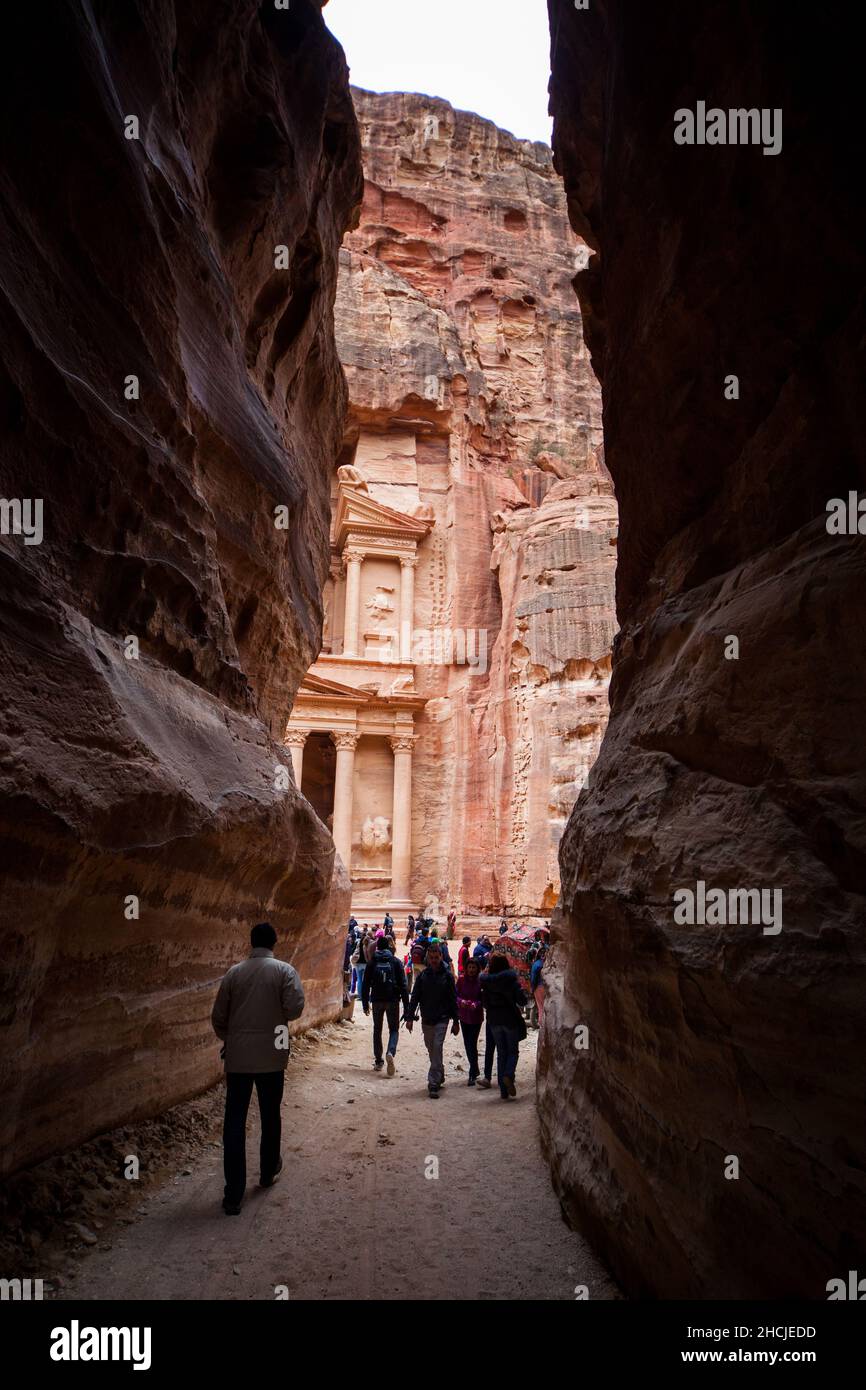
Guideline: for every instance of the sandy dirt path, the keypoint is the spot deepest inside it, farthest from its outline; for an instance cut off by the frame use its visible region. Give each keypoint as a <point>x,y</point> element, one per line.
<point>353,1215</point>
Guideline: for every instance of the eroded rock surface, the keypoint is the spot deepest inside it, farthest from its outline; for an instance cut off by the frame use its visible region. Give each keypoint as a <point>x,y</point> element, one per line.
<point>159,777</point>
<point>707,1043</point>
<point>471,394</point>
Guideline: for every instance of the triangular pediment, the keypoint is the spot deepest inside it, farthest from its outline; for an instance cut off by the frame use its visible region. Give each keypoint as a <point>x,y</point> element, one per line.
<point>359,512</point>
<point>317,685</point>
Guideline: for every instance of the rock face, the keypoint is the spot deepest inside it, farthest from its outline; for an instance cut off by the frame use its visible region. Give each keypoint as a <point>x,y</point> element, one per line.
<point>719,1041</point>
<point>156,776</point>
<point>471,394</point>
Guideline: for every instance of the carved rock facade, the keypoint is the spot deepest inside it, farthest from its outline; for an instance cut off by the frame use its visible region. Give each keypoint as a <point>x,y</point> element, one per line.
<point>474,417</point>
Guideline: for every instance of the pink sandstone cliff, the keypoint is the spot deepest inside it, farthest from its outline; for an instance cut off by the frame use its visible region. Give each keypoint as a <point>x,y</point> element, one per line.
<point>471,392</point>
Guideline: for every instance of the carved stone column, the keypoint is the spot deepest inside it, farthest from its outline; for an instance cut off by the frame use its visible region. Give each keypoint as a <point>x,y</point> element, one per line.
<point>353,559</point>
<point>407,604</point>
<point>344,791</point>
<point>296,738</point>
<point>401,821</point>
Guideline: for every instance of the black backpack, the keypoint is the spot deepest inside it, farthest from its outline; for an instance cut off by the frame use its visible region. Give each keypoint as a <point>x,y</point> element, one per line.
<point>383,984</point>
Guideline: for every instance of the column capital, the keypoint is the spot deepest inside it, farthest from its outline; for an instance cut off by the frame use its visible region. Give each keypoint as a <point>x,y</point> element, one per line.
<point>403,743</point>
<point>353,552</point>
<point>408,561</point>
<point>344,739</point>
<point>296,738</point>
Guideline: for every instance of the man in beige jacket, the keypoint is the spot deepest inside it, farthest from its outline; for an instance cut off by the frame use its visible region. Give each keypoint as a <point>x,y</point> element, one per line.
<point>256,1000</point>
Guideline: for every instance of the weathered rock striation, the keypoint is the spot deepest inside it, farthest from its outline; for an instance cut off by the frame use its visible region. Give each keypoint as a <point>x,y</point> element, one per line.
<point>471,394</point>
<point>158,776</point>
<point>712,1042</point>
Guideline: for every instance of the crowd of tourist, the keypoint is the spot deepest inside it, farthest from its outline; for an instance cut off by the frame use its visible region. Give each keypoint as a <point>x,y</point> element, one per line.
<point>480,988</point>
<point>260,996</point>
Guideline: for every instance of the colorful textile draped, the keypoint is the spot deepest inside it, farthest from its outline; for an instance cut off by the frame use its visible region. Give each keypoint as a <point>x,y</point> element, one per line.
<point>515,944</point>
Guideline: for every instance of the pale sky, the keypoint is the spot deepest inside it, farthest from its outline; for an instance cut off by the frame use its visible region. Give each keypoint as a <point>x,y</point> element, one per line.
<point>487,56</point>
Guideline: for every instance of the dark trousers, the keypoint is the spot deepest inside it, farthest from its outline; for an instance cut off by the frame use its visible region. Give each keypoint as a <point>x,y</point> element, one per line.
<point>507,1042</point>
<point>239,1089</point>
<point>489,1050</point>
<point>392,1013</point>
<point>470,1033</point>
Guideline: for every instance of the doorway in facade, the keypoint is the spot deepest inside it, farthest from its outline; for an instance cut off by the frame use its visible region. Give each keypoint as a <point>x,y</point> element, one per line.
<point>317,784</point>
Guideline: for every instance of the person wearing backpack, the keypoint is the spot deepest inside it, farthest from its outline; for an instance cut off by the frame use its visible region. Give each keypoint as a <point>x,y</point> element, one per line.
<point>435,994</point>
<point>503,1001</point>
<point>384,988</point>
<point>419,953</point>
<point>359,960</point>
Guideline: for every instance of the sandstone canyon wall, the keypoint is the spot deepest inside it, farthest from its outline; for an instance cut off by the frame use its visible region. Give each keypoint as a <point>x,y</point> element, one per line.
<point>159,777</point>
<point>717,1041</point>
<point>471,394</point>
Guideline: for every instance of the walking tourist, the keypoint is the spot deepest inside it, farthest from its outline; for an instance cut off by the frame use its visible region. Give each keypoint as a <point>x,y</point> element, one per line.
<point>486,1081</point>
<point>418,955</point>
<point>347,954</point>
<point>443,947</point>
<point>255,1001</point>
<point>463,955</point>
<point>503,1001</point>
<point>471,1012</point>
<point>359,960</point>
<point>536,983</point>
<point>435,995</point>
<point>384,989</point>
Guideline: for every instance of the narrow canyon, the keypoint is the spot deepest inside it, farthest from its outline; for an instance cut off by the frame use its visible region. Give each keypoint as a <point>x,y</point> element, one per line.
<point>434,518</point>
